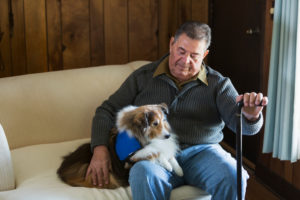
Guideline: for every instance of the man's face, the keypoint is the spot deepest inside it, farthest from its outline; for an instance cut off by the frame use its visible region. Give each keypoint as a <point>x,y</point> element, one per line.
<point>186,56</point>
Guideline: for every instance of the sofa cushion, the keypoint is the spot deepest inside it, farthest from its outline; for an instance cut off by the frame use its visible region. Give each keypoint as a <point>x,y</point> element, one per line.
<point>35,171</point>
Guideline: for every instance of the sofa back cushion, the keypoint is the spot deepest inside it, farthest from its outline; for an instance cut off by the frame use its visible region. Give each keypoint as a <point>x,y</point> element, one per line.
<point>56,106</point>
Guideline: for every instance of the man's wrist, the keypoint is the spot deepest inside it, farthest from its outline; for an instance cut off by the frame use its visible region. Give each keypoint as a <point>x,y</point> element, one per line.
<point>100,148</point>
<point>251,118</point>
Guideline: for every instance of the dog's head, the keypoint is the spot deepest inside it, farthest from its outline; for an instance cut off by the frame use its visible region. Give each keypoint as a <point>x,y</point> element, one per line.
<point>145,122</point>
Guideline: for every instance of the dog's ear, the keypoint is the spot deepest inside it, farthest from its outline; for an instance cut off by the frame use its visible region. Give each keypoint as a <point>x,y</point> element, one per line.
<point>146,118</point>
<point>124,117</point>
<point>140,122</point>
<point>164,108</point>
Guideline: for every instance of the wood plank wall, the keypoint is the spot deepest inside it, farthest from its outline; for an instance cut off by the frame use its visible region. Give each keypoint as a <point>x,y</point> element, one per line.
<point>47,35</point>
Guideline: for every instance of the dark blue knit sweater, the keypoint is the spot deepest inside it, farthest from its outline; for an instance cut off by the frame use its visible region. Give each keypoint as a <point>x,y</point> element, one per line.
<point>198,112</point>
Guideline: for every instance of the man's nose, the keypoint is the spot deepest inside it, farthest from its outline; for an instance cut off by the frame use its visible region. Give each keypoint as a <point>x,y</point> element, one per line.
<point>186,58</point>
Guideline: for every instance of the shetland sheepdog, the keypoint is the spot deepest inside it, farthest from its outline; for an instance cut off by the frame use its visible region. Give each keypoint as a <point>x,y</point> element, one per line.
<point>148,124</point>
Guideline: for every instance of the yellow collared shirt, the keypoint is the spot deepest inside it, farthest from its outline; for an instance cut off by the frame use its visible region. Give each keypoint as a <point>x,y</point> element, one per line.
<point>163,68</point>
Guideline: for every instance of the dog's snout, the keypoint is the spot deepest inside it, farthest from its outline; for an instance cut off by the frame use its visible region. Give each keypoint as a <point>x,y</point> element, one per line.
<point>167,136</point>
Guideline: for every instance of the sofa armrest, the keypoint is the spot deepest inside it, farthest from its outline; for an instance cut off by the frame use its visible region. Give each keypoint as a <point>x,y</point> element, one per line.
<point>6,169</point>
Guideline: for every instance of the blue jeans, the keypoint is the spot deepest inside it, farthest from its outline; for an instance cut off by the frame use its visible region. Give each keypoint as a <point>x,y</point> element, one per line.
<point>207,166</point>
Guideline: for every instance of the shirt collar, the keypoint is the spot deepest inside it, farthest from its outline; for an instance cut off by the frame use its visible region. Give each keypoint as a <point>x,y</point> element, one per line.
<point>163,68</point>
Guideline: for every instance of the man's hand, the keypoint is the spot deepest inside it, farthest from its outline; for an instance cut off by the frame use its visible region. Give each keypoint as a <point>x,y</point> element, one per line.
<point>99,166</point>
<point>252,108</point>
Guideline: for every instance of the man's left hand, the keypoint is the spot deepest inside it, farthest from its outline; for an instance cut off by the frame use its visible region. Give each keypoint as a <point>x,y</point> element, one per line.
<point>253,104</point>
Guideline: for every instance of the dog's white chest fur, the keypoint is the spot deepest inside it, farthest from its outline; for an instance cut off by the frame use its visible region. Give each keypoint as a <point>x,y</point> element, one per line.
<point>165,149</point>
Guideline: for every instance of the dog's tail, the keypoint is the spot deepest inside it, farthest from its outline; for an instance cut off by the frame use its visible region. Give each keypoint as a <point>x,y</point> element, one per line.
<point>74,167</point>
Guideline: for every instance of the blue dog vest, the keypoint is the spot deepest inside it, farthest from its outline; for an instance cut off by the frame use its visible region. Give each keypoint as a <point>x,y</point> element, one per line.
<point>126,145</point>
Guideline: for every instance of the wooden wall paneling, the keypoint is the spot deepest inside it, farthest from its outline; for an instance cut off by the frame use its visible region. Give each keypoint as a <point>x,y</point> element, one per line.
<point>55,59</point>
<point>116,31</point>
<point>164,33</point>
<point>61,34</point>
<point>174,16</point>
<point>143,29</point>
<point>288,171</point>
<point>75,33</point>
<point>35,35</point>
<point>184,11</point>
<point>296,174</point>
<point>18,46</point>
<point>97,32</point>
<point>277,167</point>
<point>172,13</point>
<point>200,10</point>
<point>5,59</point>
<point>283,169</point>
<point>265,159</point>
<point>168,23</point>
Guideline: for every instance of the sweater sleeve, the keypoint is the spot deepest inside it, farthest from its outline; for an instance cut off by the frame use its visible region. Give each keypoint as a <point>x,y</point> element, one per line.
<point>227,107</point>
<point>104,118</point>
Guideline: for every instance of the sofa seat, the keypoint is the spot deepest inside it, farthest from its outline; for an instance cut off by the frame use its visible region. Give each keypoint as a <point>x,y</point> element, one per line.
<point>36,165</point>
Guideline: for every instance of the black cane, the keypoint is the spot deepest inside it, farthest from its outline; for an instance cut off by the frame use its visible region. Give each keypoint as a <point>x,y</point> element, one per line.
<point>239,150</point>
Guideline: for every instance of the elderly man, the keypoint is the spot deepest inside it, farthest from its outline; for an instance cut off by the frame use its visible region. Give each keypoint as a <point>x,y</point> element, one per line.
<point>201,102</point>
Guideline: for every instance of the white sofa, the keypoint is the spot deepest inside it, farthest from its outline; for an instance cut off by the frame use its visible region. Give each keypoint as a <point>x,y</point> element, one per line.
<point>47,115</point>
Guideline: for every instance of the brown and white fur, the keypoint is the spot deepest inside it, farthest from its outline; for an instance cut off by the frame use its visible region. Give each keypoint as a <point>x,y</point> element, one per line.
<point>149,125</point>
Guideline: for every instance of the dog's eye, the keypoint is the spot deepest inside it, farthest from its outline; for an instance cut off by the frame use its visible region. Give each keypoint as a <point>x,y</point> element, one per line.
<point>155,124</point>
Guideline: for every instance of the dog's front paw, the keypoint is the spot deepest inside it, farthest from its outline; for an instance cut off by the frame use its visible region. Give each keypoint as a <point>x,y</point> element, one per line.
<point>168,167</point>
<point>140,155</point>
<point>178,171</point>
<point>135,158</point>
<point>165,163</point>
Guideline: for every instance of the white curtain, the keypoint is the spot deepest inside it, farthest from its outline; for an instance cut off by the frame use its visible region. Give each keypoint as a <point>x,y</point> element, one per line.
<point>282,128</point>
<point>296,127</point>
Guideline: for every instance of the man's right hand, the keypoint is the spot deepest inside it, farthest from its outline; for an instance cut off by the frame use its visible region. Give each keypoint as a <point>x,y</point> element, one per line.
<point>99,166</point>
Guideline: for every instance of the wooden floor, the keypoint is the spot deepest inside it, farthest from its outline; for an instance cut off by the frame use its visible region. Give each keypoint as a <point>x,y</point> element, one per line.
<point>256,190</point>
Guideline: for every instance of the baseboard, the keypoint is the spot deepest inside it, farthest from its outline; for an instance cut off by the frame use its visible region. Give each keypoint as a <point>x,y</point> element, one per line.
<point>276,183</point>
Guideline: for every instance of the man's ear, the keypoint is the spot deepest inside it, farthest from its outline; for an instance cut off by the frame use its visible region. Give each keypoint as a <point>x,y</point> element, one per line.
<point>171,42</point>
<point>205,53</point>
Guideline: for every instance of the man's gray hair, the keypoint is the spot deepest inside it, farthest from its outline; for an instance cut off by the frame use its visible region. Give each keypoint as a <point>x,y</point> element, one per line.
<point>196,31</point>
